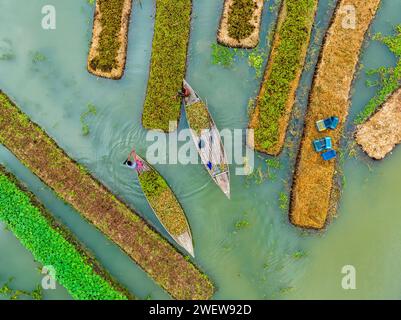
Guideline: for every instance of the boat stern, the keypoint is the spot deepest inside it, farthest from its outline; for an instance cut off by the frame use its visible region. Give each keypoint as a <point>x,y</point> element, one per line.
<point>185,241</point>
<point>223,181</point>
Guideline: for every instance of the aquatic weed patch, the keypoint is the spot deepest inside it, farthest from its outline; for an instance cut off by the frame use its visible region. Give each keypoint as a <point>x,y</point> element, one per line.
<point>90,111</point>
<point>389,79</point>
<point>274,103</point>
<point>168,63</point>
<point>227,57</point>
<point>76,186</point>
<point>222,55</point>
<point>163,202</point>
<point>109,45</point>
<point>42,237</point>
<point>14,294</point>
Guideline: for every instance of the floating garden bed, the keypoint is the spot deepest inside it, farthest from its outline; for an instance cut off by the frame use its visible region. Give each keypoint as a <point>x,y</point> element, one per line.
<point>314,191</point>
<point>75,185</point>
<point>283,72</point>
<point>382,132</point>
<point>168,63</point>
<point>108,51</point>
<point>51,244</point>
<point>240,23</point>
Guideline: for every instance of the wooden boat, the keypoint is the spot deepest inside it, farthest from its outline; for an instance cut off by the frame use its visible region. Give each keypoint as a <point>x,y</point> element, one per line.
<point>164,204</point>
<point>207,139</point>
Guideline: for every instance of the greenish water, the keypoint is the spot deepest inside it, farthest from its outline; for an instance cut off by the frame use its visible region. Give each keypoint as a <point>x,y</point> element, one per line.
<point>268,259</point>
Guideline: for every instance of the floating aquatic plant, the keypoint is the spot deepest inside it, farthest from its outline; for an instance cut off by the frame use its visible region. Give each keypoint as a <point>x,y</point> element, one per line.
<point>387,79</point>
<point>38,57</point>
<point>299,254</point>
<point>256,60</point>
<point>91,111</point>
<point>241,224</point>
<point>222,55</point>
<point>14,294</point>
<point>283,201</point>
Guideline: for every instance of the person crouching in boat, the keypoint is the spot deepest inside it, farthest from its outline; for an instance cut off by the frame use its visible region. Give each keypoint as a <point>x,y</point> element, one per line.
<point>134,162</point>
<point>183,93</point>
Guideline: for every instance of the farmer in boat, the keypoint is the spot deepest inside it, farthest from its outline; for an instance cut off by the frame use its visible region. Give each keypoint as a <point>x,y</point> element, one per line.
<point>134,162</point>
<point>183,93</point>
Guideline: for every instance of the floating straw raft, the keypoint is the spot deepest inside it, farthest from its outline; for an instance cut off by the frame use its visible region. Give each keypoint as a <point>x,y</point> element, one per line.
<point>382,132</point>
<point>315,194</point>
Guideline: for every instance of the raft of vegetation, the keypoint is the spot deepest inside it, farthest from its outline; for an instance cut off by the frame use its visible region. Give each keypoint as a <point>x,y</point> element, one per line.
<point>108,50</point>
<point>240,23</point>
<point>163,202</point>
<point>51,244</point>
<point>198,117</point>
<point>389,79</point>
<point>168,64</point>
<point>76,186</point>
<point>315,192</point>
<point>283,71</point>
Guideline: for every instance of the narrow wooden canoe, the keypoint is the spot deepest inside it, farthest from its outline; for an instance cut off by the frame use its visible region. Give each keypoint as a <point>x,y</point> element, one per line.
<point>165,205</point>
<point>207,139</point>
